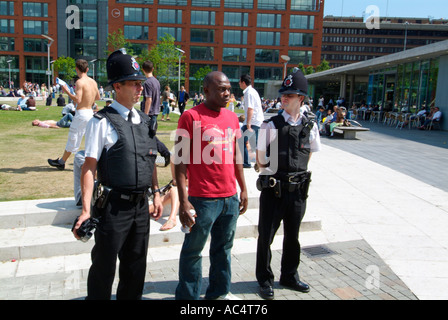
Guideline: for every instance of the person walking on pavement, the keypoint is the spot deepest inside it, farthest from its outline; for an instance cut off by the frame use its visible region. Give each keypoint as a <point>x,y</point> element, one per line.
<point>151,92</point>
<point>212,191</point>
<point>121,151</point>
<point>182,99</point>
<point>84,97</point>
<point>284,180</point>
<point>253,112</point>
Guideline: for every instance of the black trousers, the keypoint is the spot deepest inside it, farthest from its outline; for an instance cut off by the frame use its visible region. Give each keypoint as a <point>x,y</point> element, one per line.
<point>290,208</point>
<point>123,232</point>
<point>181,106</point>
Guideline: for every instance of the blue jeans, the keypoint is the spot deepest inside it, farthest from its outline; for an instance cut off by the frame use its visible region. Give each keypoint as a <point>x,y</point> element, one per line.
<point>217,217</point>
<point>166,108</point>
<point>249,136</point>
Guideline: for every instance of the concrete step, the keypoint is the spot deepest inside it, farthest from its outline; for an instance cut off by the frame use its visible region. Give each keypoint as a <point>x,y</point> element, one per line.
<point>45,241</point>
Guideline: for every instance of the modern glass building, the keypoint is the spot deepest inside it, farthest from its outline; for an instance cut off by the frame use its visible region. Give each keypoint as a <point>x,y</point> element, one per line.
<point>23,51</point>
<point>232,36</point>
<point>348,39</point>
<point>406,80</point>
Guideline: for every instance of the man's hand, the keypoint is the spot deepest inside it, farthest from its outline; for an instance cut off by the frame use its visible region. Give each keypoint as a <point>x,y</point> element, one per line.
<point>83,217</point>
<point>185,217</point>
<point>158,207</point>
<point>243,202</point>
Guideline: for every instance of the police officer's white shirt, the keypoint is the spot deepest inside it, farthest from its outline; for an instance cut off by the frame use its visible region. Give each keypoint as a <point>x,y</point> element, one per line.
<point>101,134</point>
<point>252,101</point>
<point>268,133</point>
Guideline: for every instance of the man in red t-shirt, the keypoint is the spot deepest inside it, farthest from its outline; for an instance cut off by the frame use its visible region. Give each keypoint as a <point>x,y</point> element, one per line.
<point>207,154</point>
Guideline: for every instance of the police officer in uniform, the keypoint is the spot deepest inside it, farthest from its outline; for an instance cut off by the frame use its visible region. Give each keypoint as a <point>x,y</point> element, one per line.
<point>121,150</point>
<point>284,180</point>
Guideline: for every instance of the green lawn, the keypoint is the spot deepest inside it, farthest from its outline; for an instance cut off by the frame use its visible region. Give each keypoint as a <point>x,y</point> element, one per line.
<point>24,150</point>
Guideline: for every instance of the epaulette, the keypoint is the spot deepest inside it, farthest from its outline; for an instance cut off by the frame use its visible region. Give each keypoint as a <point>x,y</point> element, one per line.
<point>100,114</point>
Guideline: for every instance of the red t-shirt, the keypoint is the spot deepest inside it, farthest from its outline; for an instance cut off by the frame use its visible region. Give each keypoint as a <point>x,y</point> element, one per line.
<point>210,167</point>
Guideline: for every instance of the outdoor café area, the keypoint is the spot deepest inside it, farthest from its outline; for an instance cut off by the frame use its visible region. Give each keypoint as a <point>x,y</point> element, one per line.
<point>392,89</point>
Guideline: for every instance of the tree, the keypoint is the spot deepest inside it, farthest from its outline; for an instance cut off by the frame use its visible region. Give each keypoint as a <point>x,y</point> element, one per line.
<point>115,41</point>
<point>65,67</point>
<point>324,65</point>
<point>165,58</point>
<point>200,75</point>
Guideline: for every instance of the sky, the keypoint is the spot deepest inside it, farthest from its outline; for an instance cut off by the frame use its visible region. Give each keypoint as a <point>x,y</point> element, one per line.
<point>436,9</point>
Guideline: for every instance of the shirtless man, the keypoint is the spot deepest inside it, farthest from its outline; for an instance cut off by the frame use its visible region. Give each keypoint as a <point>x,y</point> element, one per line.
<point>86,93</point>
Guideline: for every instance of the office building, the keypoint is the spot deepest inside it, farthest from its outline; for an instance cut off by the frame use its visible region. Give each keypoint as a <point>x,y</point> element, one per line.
<point>232,36</point>
<point>349,39</point>
<point>406,80</point>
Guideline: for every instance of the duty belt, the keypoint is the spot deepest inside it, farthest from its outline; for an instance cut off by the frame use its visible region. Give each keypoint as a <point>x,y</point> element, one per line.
<point>289,182</point>
<point>131,196</point>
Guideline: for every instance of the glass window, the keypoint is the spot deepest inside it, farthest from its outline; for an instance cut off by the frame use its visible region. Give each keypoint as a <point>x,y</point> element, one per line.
<point>35,9</point>
<point>269,20</point>
<point>173,2</point>
<point>6,26</point>
<point>206,3</point>
<point>301,39</point>
<point>236,19</point>
<point>89,15</point>
<point>234,54</point>
<point>7,8</point>
<point>268,38</point>
<point>7,44</point>
<point>272,4</point>
<point>136,32</point>
<point>303,5</point>
<point>234,74</point>
<point>202,35</point>
<point>235,37</point>
<point>203,17</point>
<point>300,57</point>
<point>176,33</point>
<point>169,16</point>
<point>137,48</point>
<point>87,33</point>
<point>267,55</point>
<point>35,45</point>
<point>265,74</point>
<point>137,1</point>
<point>35,27</point>
<point>201,53</point>
<point>301,22</point>
<point>86,49</point>
<point>247,4</point>
<point>136,14</point>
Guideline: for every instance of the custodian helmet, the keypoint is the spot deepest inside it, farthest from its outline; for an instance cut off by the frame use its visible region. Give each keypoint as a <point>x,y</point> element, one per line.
<point>295,83</point>
<point>121,67</point>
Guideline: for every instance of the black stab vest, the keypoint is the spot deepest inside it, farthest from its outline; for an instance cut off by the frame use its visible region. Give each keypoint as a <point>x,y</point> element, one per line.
<point>292,154</point>
<point>128,165</point>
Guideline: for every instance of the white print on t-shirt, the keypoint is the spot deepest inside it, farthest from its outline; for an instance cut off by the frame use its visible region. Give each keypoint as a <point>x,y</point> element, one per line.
<point>219,148</point>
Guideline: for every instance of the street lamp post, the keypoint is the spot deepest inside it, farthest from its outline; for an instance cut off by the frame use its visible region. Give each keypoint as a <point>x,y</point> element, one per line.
<point>180,56</point>
<point>405,34</point>
<point>52,76</point>
<point>93,70</point>
<point>50,42</point>
<point>286,58</point>
<point>9,78</point>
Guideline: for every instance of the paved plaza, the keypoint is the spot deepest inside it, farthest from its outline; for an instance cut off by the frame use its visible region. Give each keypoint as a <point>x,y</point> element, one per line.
<point>383,206</point>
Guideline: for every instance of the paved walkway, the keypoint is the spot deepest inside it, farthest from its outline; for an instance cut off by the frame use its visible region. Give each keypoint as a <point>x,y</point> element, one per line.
<point>383,232</point>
